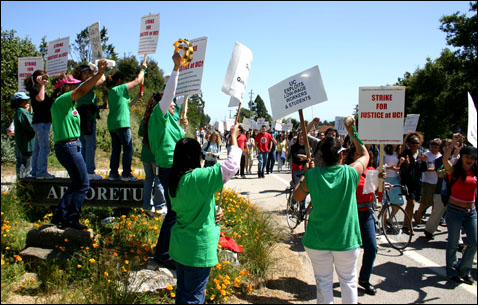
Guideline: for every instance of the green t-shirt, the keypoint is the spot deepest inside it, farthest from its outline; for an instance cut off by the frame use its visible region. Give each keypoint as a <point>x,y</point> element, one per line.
<point>118,103</point>
<point>164,132</point>
<point>65,119</point>
<point>24,133</point>
<point>146,154</point>
<point>333,222</point>
<point>89,98</point>
<point>195,235</point>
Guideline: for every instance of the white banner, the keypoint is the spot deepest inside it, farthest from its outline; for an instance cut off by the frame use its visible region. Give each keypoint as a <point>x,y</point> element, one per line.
<point>190,76</point>
<point>234,102</point>
<point>95,41</point>
<point>471,134</point>
<point>297,92</point>
<point>237,73</point>
<point>148,34</point>
<point>220,127</point>
<point>246,123</point>
<point>230,123</point>
<point>339,125</point>
<point>254,124</point>
<point>277,126</point>
<point>411,123</point>
<point>260,122</point>
<point>57,56</point>
<point>381,113</point>
<point>26,67</point>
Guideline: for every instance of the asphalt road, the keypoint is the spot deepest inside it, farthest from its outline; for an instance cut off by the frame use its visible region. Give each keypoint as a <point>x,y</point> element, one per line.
<point>416,275</point>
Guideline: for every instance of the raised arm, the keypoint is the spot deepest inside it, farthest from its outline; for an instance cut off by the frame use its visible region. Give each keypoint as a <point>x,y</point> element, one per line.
<point>170,90</point>
<point>447,153</point>
<point>90,82</point>
<point>231,165</point>
<point>138,78</point>
<point>361,163</point>
<point>40,97</point>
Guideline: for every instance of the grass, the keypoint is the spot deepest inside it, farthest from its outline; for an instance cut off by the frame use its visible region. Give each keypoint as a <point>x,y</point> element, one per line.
<point>98,273</point>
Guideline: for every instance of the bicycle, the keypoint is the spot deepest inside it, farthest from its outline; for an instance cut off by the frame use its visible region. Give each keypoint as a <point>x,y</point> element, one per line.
<point>294,212</point>
<point>392,220</point>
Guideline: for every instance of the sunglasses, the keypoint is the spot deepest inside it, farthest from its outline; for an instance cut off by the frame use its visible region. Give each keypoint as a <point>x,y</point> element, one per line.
<point>416,143</point>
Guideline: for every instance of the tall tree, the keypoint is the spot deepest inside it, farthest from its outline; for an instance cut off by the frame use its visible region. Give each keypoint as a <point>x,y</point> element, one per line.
<point>83,48</point>
<point>260,109</point>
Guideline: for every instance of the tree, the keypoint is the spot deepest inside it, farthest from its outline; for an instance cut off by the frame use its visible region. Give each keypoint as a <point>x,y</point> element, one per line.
<point>260,109</point>
<point>83,48</point>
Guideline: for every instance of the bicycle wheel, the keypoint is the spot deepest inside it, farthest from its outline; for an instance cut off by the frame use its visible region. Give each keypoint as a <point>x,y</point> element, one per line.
<point>292,211</point>
<point>396,226</point>
<point>306,216</point>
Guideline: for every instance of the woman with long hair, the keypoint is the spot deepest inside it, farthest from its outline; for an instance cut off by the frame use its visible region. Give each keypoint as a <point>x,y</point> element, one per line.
<point>41,104</point>
<point>211,149</point>
<point>461,211</point>
<point>248,152</point>
<point>333,233</point>
<point>392,161</point>
<point>119,102</point>
<point>195,235</point>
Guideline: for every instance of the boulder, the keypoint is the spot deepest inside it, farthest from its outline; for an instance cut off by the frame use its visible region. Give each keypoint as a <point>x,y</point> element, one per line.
<point>152,279</point>
<point>50,236</point>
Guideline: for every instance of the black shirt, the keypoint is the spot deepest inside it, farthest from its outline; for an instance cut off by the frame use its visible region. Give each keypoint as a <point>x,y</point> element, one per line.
<point>41,110</point>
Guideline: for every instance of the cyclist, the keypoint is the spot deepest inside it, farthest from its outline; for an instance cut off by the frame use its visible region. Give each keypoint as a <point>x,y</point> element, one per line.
<point>299,159</point>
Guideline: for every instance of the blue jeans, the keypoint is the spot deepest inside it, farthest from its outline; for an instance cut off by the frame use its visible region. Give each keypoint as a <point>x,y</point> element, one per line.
<point>18,158</point>
<point>88,149</point>
<point>162,246</point>
<point>69,155</point>
<point>367,230</point>
<point>191,284</point>
<point>262,157</point>
<point>41,149</point>
<point>121,137</point>
<point>152,185</point>
<point>455,220</point>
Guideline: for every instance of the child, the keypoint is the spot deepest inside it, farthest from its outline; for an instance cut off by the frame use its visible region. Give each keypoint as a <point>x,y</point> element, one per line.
<point>195,235</point>
<point>24,133</point>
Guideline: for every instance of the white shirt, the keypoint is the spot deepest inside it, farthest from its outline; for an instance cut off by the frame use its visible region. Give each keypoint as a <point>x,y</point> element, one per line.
<point>391,160</point>
<point>431,177</point>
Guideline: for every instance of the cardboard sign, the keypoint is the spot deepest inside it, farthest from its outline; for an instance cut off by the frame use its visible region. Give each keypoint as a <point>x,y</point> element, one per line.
<point>278,126</point>
<point>253,124</point>
<point>297,92</point>
<point>339,125</point>
<point>57,56</point>
<point>95,41</point>
<point>230,123</point>
<point>260,122</point>
<point>411,123</point>
<point>234,102</point>
<point>237,73</point>
<point>26,67</point>
<point>190,76</point>
<point>471,134</point>
<point>381,113</point>
<point>220,127</point>
<point>148,34</point>
<point>246,123</point>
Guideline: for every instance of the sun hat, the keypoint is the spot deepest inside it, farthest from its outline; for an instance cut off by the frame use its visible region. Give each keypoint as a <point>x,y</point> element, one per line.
<point>69,79</point>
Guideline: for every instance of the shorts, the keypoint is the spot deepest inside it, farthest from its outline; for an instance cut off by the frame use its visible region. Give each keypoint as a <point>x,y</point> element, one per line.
<point>427,194</point>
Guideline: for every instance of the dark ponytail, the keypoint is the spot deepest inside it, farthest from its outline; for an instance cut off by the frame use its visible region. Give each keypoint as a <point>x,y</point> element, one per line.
<point>30,81</point>
<point>187,157</point>
<point>112,80</point>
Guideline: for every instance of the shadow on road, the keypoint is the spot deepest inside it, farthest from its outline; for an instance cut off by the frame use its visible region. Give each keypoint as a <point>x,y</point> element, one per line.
<point>399,278</point>
<point>295,242</point>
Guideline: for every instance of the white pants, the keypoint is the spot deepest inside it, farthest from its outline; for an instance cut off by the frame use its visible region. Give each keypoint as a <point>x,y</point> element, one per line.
<point>437,213</point>
<point>346,268</point>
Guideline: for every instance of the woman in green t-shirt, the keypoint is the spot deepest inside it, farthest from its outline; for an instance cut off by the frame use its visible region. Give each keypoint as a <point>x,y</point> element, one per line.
<point>195,235</point>
<point>118,122</point>
<point>333,233</point>
<point>66,133</point>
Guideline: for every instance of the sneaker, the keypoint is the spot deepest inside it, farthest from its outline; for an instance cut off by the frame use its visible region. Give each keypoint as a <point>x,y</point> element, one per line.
<point>129,178</point>
<point>161,210</point>
<point>428,235</point>
<point>113,178</point>
<point>94,177</point>
<point>46,176</point>
<point>76,226</point>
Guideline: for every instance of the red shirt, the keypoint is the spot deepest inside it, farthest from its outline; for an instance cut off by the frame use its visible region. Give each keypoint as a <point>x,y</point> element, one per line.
<point>464,191</point>
<point>241,141</point>
<point>362,198</point>
<point>262,141</point>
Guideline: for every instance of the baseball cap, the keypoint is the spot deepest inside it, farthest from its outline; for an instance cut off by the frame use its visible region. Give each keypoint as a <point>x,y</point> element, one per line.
<point>69,79</point>
<point>20,96</point>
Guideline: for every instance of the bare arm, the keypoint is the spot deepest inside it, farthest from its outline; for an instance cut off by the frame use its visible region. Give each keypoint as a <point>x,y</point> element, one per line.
<point>447,154</point>
<point>138,78</point>
<point>361,163</point>
<point>89,83</point>
<point>41,94</point>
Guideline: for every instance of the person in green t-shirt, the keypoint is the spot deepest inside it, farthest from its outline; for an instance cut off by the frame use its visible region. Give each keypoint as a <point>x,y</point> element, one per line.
<point>24,133</point>
<point>195,235</point>
<point>118,122</point>
<point>89,113</point>
<point>333,233</point>
<point>66,133</point>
